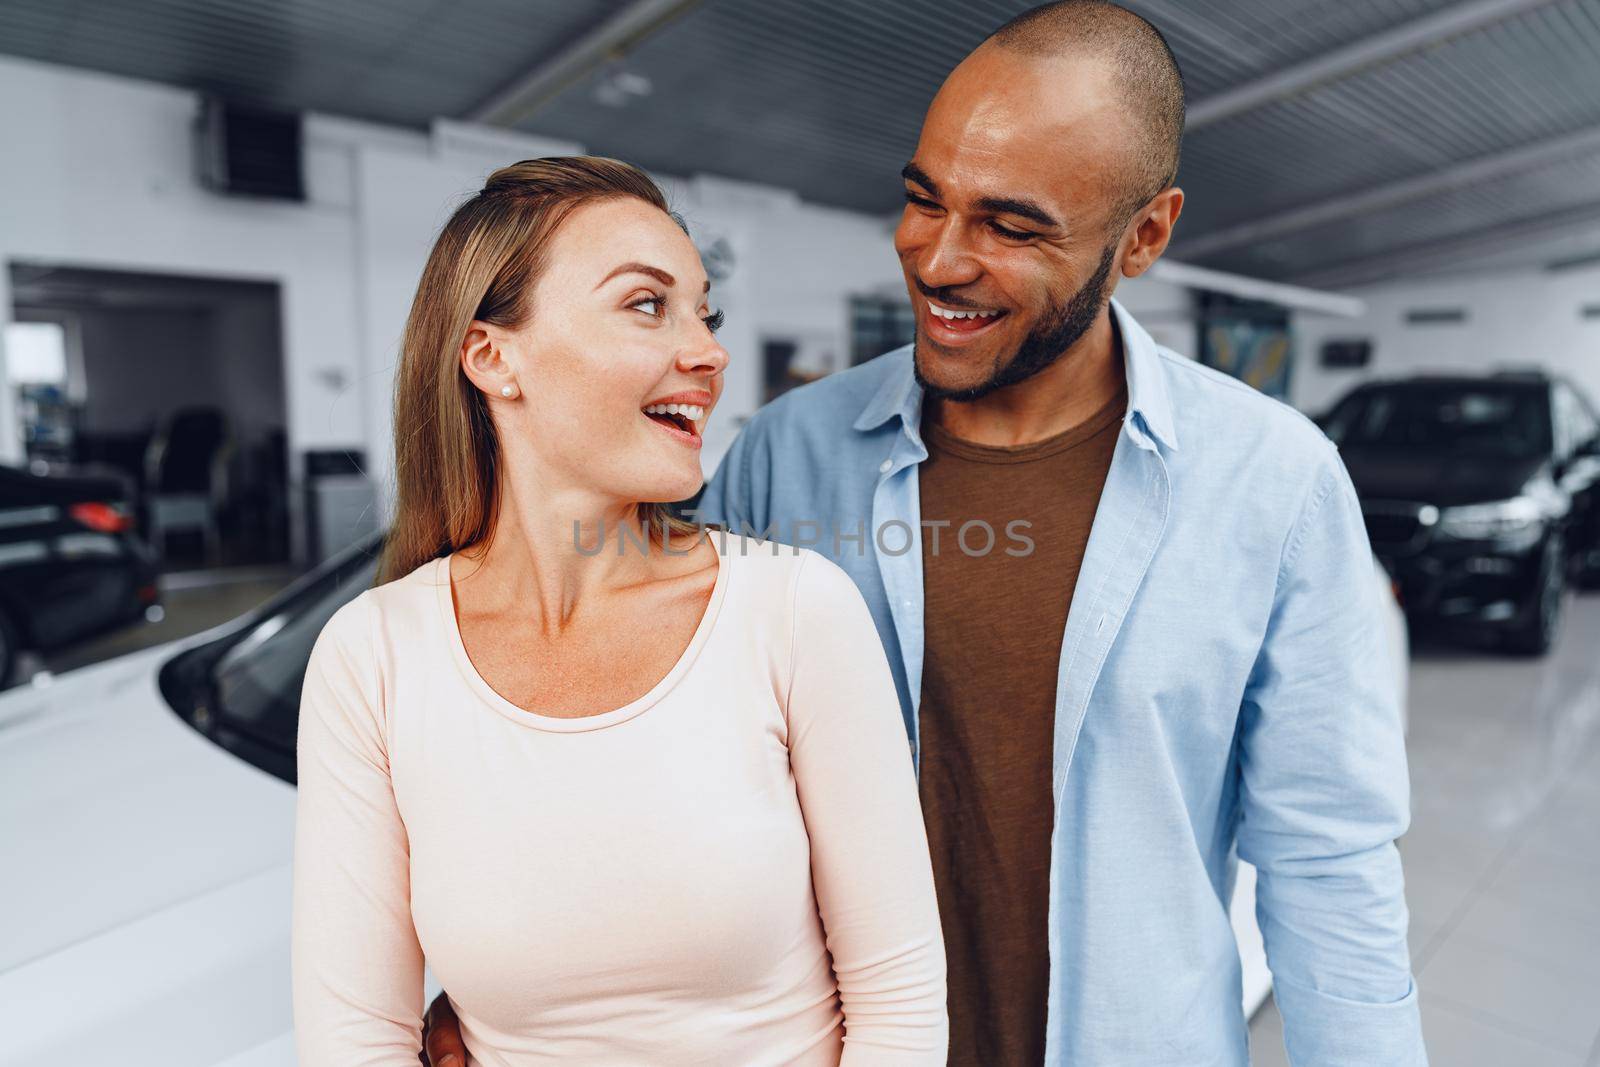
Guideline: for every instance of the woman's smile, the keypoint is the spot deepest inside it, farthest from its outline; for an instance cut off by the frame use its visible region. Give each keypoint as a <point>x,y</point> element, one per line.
<point>680,415</point>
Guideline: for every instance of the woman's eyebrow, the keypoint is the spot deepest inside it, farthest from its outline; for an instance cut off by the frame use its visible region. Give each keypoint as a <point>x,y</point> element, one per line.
<point>654,272</point>
<point>641,268</point>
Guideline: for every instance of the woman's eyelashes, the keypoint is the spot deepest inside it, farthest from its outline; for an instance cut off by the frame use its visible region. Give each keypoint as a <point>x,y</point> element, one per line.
<point>657,309</point>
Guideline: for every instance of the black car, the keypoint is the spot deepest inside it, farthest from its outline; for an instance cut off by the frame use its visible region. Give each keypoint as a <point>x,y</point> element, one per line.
<point>70,565</point>
<point>1481,497</point>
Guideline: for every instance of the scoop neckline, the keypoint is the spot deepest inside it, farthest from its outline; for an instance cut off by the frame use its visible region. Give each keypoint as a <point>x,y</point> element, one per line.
<point>445,598</point>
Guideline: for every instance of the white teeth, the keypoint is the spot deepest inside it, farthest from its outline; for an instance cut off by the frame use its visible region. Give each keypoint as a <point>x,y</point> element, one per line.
<point>692,412</point>
<point>948,313</point>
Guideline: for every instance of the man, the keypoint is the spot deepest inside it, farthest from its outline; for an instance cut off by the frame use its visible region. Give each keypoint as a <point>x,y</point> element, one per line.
<point>1125,598</point>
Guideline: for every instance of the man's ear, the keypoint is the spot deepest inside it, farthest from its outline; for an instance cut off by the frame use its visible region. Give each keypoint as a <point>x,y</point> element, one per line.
<point>1150,230</point>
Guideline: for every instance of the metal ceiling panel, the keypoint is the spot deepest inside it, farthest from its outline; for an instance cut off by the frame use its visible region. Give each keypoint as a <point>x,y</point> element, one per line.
<point>1221,45</point>
<point>1363,246</point>
<point>826,96</point>
<point>1507,85</point>
<point>398,61</point>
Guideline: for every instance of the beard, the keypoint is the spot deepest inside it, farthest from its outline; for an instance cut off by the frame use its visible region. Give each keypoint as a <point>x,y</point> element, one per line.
<point>1057,330</point>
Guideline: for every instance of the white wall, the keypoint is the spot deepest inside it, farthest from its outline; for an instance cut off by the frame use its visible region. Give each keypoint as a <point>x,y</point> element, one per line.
<point>1522,319</point>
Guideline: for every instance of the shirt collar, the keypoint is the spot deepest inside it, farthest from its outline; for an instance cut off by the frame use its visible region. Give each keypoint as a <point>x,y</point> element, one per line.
<point>900,395</point>
<point>1147,378</point>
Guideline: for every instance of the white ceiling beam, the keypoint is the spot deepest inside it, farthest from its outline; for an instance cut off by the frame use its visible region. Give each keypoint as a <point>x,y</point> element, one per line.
<point>612,39</point>
<point>1434,183</point>
<point>1291,296</point>
<point>1372,51</point>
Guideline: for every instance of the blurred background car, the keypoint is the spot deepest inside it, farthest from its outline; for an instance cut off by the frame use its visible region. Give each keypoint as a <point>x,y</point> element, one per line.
<point>71,567</point>
<point>1481,497</point>
<point>160,797</point>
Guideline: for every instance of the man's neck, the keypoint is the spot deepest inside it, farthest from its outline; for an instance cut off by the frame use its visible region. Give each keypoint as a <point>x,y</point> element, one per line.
<point>1064,395</point>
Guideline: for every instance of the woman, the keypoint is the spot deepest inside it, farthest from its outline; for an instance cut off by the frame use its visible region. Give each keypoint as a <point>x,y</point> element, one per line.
<point>639,792</point>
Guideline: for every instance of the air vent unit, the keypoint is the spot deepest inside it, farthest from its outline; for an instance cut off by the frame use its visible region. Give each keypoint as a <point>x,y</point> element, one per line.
<point>246,151</point>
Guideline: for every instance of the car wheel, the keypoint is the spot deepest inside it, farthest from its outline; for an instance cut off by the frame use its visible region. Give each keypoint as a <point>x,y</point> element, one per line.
<point>1534,637</point>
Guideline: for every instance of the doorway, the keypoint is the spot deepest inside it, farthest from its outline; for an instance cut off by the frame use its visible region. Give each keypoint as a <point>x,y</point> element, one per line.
<point>174,384</point>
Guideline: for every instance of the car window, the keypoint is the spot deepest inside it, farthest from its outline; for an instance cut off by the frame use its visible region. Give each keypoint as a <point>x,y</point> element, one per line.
<point>258,681</point>
<point>1464,418</point>
<point>243,688</point>
<point>1571,411</point>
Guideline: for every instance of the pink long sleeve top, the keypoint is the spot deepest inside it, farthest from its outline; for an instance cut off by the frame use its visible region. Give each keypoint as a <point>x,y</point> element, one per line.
<point>729,870</point>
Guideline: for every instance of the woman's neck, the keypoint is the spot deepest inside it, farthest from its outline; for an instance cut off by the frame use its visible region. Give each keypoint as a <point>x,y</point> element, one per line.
<point>552,553</point>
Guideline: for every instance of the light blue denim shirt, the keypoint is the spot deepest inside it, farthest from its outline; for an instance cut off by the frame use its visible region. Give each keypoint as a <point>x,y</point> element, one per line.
<point>1222,682</point>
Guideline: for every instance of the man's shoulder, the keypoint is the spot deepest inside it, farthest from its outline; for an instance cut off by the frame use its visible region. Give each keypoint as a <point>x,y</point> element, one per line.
<point>832,404</point>
<point>1220,419</point>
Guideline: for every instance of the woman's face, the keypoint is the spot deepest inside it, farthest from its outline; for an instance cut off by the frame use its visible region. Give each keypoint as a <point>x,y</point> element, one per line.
<point>619,328</point>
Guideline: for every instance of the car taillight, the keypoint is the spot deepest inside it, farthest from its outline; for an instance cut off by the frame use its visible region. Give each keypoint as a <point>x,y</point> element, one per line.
<point>106,518</point>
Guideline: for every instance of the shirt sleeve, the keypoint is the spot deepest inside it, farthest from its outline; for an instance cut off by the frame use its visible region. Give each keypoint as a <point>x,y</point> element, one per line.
<point>869,851</point>
<point>357,967</point>
<point>1324,792</point>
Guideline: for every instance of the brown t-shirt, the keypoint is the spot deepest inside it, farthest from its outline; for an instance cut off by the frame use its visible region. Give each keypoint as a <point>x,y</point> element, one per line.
<point>994,623</point>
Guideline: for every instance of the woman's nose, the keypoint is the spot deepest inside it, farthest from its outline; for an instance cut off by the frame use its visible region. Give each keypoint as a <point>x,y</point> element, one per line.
<point>704,355</point>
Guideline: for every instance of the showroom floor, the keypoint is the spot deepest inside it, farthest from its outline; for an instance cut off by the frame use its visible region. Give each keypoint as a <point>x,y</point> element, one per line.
<point>1503,859</point>
<point>191,601</point>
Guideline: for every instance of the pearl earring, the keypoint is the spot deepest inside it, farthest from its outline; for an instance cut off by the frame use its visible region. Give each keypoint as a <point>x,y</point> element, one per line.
<point>507,391</point>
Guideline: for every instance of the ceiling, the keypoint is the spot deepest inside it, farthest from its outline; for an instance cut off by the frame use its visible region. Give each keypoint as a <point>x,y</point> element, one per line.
<point>1329,143</point>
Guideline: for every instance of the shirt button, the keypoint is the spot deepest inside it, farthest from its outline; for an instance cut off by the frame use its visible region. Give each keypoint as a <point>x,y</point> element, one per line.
<point>885,466</point>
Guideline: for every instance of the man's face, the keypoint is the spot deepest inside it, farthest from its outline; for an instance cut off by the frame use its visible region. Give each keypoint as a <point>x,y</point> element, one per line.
<point>1008,215</point>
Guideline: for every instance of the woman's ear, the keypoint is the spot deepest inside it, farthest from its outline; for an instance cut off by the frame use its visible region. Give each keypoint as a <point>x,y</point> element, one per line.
<point>483,362</point>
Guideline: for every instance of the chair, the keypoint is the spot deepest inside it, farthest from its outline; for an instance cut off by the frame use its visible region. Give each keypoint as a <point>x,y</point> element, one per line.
<point>186,475</point>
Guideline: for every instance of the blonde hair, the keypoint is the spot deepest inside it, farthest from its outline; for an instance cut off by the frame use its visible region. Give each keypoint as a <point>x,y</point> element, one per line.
<point>483,267</point>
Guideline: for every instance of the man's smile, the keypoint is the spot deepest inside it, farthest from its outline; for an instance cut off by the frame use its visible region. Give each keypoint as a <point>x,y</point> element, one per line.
<point>957,326</point>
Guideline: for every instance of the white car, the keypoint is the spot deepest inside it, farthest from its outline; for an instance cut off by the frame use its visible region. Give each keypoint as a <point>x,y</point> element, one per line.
<point>148,829</point>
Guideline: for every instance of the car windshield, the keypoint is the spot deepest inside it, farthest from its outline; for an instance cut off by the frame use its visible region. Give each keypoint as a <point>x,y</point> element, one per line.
<point>243,689</point>
<point>1469,418</point>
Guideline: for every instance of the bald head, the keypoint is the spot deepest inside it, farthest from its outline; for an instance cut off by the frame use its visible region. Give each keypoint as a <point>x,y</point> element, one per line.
<point>1145,71</point>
